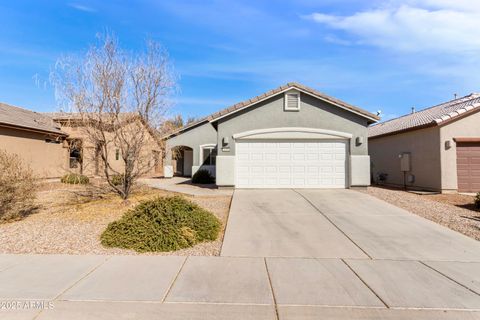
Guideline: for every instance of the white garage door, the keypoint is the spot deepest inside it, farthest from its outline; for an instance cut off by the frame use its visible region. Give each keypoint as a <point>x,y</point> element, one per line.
<point>291,164</point>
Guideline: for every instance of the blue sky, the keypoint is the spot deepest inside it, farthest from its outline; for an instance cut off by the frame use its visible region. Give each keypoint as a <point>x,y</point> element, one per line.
<point>389,55</point>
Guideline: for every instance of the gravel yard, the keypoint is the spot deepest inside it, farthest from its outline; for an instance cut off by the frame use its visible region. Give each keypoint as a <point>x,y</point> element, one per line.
<point>454,211</point>
<point>66,222</point>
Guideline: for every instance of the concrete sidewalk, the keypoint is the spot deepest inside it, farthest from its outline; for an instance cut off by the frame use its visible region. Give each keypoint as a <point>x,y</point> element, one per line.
<point>183,185</point>
<point>171,287</point>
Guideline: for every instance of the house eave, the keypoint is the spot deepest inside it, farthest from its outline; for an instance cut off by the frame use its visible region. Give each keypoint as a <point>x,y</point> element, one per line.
<point>17,127</point>
<point>393,133</point>
<point>372,118</point>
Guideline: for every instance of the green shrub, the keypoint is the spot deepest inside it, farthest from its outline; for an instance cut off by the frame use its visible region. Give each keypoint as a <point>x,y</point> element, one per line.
<point>162,224</point>
<point>203,176</point>
<point>74,178</point>
<point>477,201</point>
<point>17,187</point>
<point>117,180</point>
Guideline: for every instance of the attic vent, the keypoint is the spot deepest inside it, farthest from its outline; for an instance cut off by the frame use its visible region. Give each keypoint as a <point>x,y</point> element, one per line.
<point>292,101</point>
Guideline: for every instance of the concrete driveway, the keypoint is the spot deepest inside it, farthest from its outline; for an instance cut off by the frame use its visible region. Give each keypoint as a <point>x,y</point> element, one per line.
<point>336,224</point>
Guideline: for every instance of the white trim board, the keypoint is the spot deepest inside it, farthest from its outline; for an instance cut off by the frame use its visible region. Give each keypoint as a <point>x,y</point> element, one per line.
<point>291,133</point>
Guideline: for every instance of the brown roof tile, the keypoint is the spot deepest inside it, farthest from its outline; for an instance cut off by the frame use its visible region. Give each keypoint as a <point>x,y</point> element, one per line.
<point>291,85</point>
<point>428,117</point>
<point>23,118</point>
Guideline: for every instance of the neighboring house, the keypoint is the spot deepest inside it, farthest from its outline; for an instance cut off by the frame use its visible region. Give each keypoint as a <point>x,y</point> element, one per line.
<point>289,137</point>
<point>54,144</point>
<point>36,138</point>
<point>434,149</point>
<point>84,156</point>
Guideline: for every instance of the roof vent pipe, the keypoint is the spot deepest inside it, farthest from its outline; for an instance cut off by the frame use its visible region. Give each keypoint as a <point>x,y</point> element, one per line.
<point>413,110</point>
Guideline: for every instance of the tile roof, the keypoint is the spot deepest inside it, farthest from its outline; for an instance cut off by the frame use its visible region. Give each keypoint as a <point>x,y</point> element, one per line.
<point>291,85</point>
<point>23,118</point>
<point>59,116</point>
<point>427,117</point>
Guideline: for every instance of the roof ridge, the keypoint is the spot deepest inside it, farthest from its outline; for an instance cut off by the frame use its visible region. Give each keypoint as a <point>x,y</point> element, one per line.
<point>22,108</point>
<point>270,93</point>
<point>431,116</point>
<point>471,96</point>
<point>297,85</point>
<point>25,118</point>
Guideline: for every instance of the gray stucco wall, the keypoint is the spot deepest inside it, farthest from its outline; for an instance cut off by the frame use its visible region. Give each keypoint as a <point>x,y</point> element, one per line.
<point>314,113</point>
<point>193,138</point>
<point>465,127</point>
<point>424,146</point>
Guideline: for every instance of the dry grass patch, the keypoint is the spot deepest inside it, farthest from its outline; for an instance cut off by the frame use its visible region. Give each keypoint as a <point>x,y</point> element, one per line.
<point>68,222</point>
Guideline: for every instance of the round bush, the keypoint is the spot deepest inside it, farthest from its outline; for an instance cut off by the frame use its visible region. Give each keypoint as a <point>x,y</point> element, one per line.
<point>203,176</point>
<point>162,224</point>
<point>477,201</point>
<point>74,178</point>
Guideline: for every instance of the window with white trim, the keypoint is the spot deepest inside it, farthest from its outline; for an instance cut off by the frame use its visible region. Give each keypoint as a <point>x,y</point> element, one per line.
<point>292,101</point>
<point>209,154</point>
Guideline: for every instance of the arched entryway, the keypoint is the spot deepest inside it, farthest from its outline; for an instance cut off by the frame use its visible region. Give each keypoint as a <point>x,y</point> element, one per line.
<point>182,161</point>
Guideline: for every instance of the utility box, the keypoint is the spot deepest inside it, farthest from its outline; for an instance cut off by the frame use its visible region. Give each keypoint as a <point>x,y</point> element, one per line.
<point>404,161</point>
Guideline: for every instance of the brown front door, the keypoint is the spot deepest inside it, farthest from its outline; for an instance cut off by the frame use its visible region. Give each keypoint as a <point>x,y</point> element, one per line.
<point>468,166</point>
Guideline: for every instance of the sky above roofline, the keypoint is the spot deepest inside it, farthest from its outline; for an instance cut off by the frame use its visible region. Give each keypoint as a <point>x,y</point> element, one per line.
<point>378,55</point>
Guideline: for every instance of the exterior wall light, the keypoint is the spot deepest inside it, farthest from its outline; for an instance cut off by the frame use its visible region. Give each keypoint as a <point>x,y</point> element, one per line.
<point>359,141</point>
<point>448,144</point>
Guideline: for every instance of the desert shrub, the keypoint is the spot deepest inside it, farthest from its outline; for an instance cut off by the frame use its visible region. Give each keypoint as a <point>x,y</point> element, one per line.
<point>74,178</point>
<point>117,180</point>
<point>203,176</point>
<point>477,201</point>
<point>162,224</point>
<point>17,187</point>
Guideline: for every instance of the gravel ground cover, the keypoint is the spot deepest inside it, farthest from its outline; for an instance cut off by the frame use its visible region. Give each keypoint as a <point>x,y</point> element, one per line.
<point>454,211</point>
<point>68,222</point>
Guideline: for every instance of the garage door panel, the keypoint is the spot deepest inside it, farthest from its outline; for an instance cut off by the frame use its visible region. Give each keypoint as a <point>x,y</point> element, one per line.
<point>468,167</point>
<point>291,164</point>
<point>298,156</point>
<point>340,170</point>
<point>313,171</point>
<point>270,156</point>
<point>475,160</point>
<point>255,156</point>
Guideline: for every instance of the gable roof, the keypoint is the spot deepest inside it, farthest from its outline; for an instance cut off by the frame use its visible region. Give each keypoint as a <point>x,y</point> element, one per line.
<point>66,118</point>
<point>289,86</point>
<point>17,117</point>
<point>429,117</point>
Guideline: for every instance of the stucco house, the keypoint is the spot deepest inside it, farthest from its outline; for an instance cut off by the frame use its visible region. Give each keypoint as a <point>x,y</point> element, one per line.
<point>36,138</point>
<point>436,149</point>
<point>53,144</point>
<point>84,154</point>
<point>289,137</point>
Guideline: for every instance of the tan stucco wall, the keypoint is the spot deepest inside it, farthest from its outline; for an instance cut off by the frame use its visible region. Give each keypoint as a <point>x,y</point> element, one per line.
<point>89,161</point>
<point>465,127</point>
<point>424,146</point>
<point>47,160</point>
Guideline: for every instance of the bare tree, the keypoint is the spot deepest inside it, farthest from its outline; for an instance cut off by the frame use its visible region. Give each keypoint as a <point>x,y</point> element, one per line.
<point>120,99</point>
